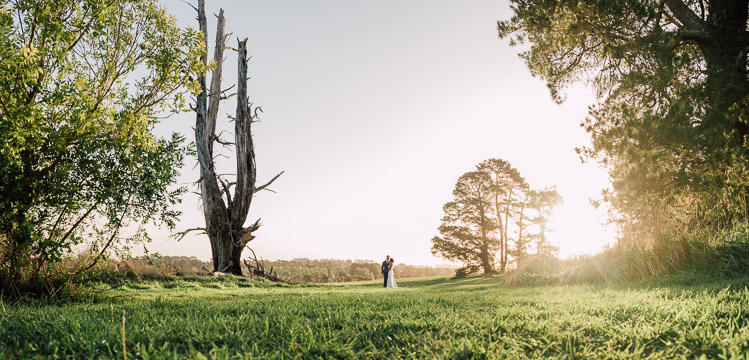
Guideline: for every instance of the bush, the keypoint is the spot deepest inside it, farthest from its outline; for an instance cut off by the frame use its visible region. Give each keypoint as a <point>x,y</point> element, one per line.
<point>466,271</point>
<point>718,254</point>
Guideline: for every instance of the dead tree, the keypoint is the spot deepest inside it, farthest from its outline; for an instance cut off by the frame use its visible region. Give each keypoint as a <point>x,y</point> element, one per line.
<point>226,212</point>
<point>258,270</point>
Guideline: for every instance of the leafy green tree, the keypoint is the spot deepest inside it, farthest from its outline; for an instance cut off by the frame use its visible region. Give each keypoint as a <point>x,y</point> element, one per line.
<point>362,273</point>
<point>671,79</point>
<point>81,84</point>
<point>522,243</point>
<point>486,201</point>
<point>543,202</point>
<point>467,230</point>
<point>507,188</point>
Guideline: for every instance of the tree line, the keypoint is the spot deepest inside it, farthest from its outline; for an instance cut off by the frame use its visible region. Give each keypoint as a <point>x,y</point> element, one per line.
<point>495,220</point>
<point>303,270</point>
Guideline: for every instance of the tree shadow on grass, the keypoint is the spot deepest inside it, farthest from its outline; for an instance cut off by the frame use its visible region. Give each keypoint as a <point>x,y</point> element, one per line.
<point>677,285</point>
<point>478,282</point>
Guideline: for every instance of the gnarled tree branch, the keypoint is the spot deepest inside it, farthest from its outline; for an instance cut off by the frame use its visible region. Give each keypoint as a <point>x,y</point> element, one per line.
<point>685,15</point>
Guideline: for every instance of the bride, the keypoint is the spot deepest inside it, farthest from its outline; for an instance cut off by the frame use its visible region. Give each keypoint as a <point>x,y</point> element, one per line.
<point>391,275</point>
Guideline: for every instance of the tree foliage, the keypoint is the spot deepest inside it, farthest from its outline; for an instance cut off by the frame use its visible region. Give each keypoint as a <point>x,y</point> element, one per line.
<point>507,188</point>
<point>475,227</point>
<point>543,201</point>
<point>468,230</point>
<point>81,83</point>
<point>671,80</point>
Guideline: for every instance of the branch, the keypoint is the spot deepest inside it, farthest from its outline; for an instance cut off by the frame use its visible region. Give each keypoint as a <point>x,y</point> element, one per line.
<point>685,15</point>
<point>262,187</point>
<point>182,234</point>
<point>253,253</point>
<point>223,91</point>
<point>115,232</point>
<point>257,108</point>
<point>698,36</point>
<point>254,226</point>
<point>246,233</point>
<point>191,5</point>
<point>222,142</point>
<point>226,185</point>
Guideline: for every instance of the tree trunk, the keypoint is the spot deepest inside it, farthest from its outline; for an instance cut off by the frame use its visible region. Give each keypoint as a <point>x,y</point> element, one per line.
<point>484,255</point>
<point>502,248</point>
<point>541,240</point>
<point>507,225</point>
<point>521,246</point>
<point>726,59</point>
<point>485,262</point>
<point>224,221</point>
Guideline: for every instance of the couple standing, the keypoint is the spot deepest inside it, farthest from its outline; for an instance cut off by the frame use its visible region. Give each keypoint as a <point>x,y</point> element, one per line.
<point>387,271</point>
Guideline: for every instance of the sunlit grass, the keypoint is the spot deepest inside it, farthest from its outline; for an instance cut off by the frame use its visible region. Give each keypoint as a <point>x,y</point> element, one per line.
<point>428,318</point>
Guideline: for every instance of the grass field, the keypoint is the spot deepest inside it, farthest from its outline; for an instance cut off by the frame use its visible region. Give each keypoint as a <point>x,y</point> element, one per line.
<point>435,318</point>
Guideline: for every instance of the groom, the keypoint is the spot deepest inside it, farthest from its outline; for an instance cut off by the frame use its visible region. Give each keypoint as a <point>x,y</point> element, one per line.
<point>384,270</point>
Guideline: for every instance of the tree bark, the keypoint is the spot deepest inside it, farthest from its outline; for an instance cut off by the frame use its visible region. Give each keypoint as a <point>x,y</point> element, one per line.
<point>502,248</point>
<point>507,225</point>
<point>486,262</point>
<point>521,247</point>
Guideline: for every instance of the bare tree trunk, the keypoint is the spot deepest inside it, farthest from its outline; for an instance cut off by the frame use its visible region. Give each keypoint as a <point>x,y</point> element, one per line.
<point>224,221</point>
<point>507,225</point>
<point>541,240</point>
<point>502,248</point>
<point>521,246</point>
<point>486,262</point>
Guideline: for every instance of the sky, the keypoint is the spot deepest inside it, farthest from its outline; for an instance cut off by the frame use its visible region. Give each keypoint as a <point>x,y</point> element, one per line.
<point>373,109</point>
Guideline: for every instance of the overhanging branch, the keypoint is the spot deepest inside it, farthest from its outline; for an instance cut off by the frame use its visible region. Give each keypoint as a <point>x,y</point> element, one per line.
<point>697,36</point>
<point>262,187</point>
<point>178,236</point>
<point>685,15</point>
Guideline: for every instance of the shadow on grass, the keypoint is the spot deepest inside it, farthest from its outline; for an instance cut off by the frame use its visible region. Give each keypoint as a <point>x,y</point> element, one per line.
<point>479,282</point>
<point>682,283</point>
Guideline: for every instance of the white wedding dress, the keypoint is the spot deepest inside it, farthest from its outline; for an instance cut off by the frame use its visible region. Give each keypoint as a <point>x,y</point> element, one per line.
<point>391,278</point>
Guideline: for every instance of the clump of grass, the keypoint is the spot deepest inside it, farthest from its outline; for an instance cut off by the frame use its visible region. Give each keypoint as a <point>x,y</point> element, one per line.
<point>716,255</point>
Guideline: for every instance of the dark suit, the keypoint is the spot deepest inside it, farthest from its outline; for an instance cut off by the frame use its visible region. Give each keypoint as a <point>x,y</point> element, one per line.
<point>384,271</point>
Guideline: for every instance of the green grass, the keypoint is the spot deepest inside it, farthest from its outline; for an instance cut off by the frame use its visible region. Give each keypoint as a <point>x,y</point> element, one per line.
<point>431,318</point>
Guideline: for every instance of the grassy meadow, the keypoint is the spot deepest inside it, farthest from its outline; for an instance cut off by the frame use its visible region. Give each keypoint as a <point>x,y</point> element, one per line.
<point>472,318</point>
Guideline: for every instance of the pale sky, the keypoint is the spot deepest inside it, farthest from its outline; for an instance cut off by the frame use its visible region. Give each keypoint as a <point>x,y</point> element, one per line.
<point>374,108</point>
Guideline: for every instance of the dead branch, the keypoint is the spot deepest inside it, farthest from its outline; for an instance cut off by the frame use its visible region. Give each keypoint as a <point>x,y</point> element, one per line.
<point>226,191</point>
<point>182,234</point>
<point>262,187</point>
<point>258,270</point>
<point>222,142</point>
<point>191,5</point>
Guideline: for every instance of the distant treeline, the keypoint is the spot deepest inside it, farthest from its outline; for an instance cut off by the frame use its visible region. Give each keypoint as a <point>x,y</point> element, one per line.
<point>304,270</point>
